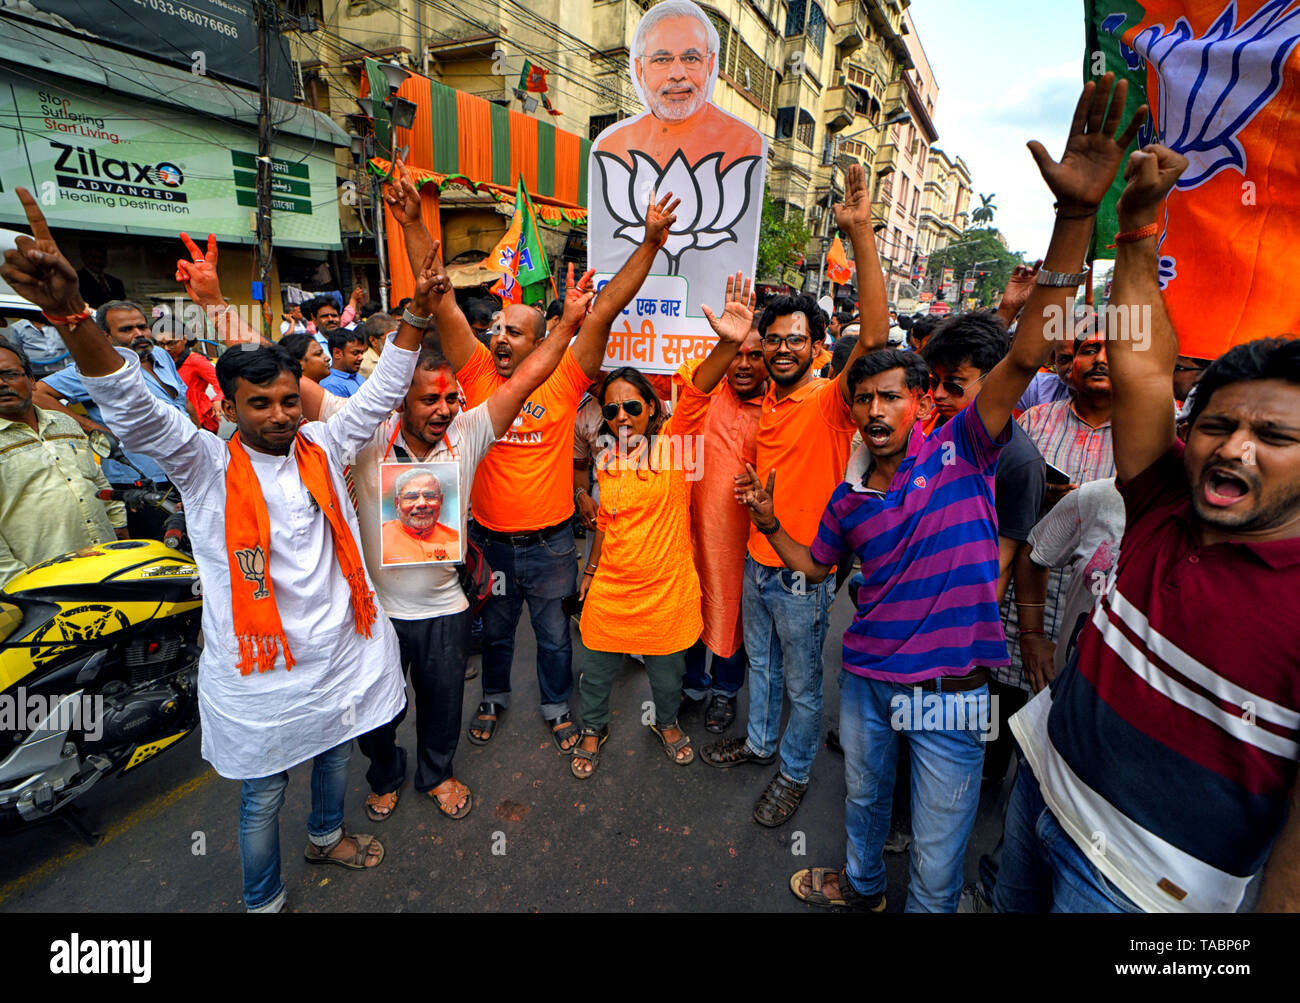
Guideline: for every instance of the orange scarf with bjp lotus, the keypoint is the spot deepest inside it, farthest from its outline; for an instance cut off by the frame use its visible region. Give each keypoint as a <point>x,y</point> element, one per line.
<point>248,546</point>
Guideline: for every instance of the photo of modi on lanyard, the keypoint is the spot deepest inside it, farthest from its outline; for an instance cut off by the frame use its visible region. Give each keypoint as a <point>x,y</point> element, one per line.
<point>420,513</point>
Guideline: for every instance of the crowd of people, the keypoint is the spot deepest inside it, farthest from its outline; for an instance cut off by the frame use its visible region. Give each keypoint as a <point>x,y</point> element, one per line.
<point>1024,524</point>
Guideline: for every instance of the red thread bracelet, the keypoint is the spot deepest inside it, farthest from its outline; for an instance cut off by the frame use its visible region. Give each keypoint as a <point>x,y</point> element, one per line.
<point>71,320</point>
<point>1133,236</point>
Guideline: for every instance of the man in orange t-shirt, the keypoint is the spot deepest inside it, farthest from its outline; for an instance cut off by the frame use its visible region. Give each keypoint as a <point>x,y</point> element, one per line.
<point>804,436</point>
<point>522,500</point>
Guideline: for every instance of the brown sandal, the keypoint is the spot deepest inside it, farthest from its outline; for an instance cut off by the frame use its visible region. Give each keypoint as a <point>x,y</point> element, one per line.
<point>452,789</point>
<point>671,749</point>
<point>357,862</point>
<point>380,806</point>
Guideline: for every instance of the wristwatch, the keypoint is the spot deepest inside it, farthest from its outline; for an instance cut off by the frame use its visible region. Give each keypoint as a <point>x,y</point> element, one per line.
<point>414,321</point>
<point>1069,280</point>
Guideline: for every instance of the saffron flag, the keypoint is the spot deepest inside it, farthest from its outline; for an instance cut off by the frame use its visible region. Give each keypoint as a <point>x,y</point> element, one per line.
<point>1222,78</point>
<point>837,265</point>
<point>519,256</point>
<point>532,78</point>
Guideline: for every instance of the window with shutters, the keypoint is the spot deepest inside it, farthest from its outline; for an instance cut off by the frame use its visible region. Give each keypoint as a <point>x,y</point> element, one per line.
<point>804,132</point>
<point>816,27</point>
<point>794,17</point>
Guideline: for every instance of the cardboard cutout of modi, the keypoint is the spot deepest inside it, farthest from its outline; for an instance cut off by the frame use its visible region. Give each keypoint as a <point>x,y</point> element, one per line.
<point>685,144</point>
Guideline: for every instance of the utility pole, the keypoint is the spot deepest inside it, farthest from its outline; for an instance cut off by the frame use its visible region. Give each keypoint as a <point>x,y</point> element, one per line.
<point>268,20</point>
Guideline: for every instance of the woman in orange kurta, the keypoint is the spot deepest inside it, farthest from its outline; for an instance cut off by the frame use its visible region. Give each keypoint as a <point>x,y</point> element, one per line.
<point>640,589</point>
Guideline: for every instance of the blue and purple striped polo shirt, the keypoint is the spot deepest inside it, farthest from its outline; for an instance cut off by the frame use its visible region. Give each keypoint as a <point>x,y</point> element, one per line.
<point>929,552</point>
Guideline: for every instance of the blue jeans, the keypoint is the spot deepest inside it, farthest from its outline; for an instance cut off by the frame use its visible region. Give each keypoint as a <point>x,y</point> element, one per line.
<point>1043,869</point>
<point>727,678</point>
<point>785,627</point>
<point>259,823</point>
<point>946,767</point>
<point>542,573</point>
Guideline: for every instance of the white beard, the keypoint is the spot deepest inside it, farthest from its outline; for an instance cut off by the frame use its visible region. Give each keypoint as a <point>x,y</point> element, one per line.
<point>673,112</point>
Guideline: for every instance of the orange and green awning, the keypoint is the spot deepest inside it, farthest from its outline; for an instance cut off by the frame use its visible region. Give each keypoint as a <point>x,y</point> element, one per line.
<point>467,139</point>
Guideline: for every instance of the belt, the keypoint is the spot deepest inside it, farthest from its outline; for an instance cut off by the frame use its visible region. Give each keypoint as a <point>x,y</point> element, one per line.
<point>955,684</point>
<point>522,539</point>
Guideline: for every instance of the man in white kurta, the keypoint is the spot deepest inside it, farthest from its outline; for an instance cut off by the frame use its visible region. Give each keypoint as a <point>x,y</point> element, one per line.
<point>257,726</point>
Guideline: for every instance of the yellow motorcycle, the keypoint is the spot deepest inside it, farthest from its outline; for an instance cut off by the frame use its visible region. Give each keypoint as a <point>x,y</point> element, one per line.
<point>99,658</point>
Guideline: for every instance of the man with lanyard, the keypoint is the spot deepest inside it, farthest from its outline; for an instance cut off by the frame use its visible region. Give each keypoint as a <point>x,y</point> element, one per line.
<point>284,583</point>
<point>429,610</point>
<point>523,491</point>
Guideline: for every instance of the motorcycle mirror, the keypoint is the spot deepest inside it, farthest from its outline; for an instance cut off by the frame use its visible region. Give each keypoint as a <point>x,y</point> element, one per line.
<point>103,443</point>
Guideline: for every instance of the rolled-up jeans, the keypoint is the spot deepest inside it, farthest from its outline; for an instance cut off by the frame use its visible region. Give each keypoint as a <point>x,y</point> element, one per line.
<point>875,716</point>
<point>542,573</point>
<point>785,621</point>
<point>260,800</point>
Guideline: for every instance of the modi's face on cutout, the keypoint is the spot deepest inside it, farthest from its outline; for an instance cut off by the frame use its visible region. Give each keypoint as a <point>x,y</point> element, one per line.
<point>419,504</point>
<point>675,67</point>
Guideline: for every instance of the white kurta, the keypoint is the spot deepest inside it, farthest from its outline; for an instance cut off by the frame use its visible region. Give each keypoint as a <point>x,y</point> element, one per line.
<point>342,684</point>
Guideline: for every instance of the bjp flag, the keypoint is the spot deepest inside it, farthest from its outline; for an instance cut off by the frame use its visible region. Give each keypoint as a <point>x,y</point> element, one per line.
<point>838,269</point>
<point>1222,78</point>
<point>519,255</point>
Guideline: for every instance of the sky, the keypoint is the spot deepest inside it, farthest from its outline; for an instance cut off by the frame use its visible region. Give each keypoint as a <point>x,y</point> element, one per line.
<point>1008,71</point>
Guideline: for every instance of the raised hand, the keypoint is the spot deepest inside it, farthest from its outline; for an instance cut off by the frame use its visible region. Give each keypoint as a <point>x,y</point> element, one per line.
<point>659,219</point>
<point>1019,286</point>
<point>431,283</point>
<point>855,210</point>
<point>577,298</point>
<point>358,297</point>
<point>751,493</point>
<point>737,316</point>
<point>1151,173</point>
<point>403,197</point>
<point>199,275</point>
<point>1092,152</point>
<point>37,270</point>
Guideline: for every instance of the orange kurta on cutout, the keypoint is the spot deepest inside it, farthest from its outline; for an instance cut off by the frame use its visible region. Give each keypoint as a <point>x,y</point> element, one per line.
<point>400,547</point>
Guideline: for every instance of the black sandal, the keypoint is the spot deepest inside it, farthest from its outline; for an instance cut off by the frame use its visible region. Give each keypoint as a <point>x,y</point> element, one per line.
<point>779,802</point>
<point>558,734</point>
<point>719,714</point>
<point>485,719</point>
<point>592,757</point>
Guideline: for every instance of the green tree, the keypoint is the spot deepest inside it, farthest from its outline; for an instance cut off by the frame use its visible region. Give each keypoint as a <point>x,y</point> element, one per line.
<point>977,244</point>
<point>782,235</point>
<point>984,214</point>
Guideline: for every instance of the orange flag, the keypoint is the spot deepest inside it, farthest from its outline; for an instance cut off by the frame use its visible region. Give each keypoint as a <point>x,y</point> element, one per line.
<point>838,269</point>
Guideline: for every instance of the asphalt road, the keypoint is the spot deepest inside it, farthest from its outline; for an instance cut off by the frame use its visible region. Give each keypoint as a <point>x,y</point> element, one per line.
<point>642,835</point>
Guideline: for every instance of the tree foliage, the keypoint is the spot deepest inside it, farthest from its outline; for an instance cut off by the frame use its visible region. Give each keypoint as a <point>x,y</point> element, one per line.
<point>782,236</point>
<point>984,214</point>
<point>977,244</point>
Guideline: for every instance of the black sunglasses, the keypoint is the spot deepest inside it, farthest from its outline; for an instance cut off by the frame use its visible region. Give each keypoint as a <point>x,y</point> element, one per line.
<point>632,407</point>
